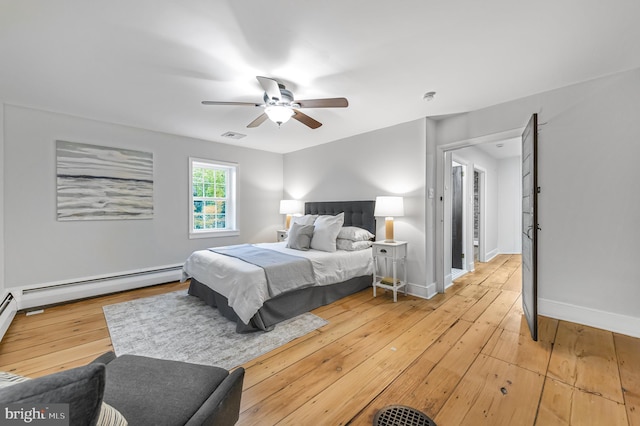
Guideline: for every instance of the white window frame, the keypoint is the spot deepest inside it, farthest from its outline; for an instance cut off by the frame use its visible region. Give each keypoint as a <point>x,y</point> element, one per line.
<point>232,228</point>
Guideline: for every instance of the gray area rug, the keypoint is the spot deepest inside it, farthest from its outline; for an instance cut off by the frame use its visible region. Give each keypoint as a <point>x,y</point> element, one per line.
<point>180,327</point>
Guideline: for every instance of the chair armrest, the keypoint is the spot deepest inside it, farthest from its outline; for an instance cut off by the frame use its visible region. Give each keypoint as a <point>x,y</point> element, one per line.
<point>222,408</point>
<point>105,358</point>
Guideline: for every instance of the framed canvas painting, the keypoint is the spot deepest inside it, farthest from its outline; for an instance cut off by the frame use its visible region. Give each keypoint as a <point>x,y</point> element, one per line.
<point>103,183</point>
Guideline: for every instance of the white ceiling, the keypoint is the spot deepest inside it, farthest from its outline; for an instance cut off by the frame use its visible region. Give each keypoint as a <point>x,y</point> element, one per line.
<point>149,63</point>
<point>504,149</point>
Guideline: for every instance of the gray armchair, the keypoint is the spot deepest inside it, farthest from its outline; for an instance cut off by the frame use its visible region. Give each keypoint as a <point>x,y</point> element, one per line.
<point>146,391</point>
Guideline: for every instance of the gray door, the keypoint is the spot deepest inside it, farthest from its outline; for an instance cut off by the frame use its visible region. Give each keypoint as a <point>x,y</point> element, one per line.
<point>530,225</point>
<point>456,217</point>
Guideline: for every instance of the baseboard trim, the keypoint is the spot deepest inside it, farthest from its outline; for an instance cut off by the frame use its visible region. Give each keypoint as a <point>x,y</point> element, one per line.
<point>610,321</point>
<point>491,254</point>
<point>448,280</point>
<point>33,296</point>
<point>422,291</point>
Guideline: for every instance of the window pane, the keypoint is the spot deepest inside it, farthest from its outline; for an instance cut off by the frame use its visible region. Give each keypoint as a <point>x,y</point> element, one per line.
<point>220,222</point>
<point>209,222</point>
<point>197,206</point>
<point>197,190</point>
<point>209,190</point>
<point>197,175</point>
<point>198,222</point>
<point>210,207</point>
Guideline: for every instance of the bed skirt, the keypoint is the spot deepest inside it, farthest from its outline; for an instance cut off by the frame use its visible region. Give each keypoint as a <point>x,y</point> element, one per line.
<point>284,306</point>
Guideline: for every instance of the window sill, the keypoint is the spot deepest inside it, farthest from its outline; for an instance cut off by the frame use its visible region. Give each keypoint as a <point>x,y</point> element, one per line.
<point>214,234</point>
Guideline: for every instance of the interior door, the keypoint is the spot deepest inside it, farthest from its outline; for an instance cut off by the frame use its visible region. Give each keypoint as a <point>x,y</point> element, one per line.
<point>530,225</point>
<point>456,217</point>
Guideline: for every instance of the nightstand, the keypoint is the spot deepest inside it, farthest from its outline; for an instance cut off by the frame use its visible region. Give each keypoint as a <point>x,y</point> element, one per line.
<point>393,253</point>
<point>282,234</point>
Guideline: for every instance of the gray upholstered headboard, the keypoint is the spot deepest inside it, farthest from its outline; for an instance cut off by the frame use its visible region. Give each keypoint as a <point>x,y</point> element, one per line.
<point>356,213</point>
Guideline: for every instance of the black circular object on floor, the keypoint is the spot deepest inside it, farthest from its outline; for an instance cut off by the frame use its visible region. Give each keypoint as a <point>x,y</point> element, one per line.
<point>400,415</point>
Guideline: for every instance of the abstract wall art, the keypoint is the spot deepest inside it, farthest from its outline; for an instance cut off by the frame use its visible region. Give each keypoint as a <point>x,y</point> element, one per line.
<point>103,183</point>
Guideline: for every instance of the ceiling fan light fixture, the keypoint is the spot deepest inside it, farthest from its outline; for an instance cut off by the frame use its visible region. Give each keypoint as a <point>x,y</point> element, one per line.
<point>279,114</point>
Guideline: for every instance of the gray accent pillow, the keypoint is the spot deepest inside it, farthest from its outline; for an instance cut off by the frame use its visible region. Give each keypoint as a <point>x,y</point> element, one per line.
<point>300,236</point>
<point>109,416</point>
<point>82,388</point>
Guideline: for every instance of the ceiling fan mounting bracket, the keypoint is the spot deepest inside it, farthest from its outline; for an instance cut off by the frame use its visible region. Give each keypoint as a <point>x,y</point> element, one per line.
<point>286,98</point>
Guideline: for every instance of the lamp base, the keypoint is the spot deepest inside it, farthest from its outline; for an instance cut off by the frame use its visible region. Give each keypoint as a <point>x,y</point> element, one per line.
<point>388,230</point>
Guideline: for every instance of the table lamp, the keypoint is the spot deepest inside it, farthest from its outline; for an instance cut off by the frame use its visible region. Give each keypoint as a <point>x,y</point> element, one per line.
<point>290,207</point>
<point>389,207</point>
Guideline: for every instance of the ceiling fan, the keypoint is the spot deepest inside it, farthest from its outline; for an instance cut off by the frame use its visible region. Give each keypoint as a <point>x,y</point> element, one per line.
<point>279,105</point>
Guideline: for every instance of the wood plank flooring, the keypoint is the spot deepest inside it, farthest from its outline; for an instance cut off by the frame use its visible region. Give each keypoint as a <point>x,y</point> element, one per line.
<point>463,357</point>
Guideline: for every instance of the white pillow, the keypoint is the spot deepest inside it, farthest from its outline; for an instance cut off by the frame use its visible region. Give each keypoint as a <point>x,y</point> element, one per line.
<point>349,245</point>
<point>354,233</point>
<point>307,219</point>
<point>326,232</point>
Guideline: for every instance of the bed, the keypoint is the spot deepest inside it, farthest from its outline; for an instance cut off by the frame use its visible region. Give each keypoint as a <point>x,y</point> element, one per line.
<point>229,284</point>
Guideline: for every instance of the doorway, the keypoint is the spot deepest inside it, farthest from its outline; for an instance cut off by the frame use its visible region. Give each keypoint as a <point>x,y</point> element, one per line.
<point>480,241</point>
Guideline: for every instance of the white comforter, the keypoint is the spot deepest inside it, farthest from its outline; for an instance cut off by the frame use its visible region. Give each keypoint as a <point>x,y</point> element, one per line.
<point>245,284</point>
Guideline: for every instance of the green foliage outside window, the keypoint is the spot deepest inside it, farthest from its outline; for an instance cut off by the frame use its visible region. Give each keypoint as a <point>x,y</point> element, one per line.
<point>209,198</point>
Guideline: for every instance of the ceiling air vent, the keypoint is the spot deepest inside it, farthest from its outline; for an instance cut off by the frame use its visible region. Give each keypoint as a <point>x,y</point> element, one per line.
<point>233,135</point>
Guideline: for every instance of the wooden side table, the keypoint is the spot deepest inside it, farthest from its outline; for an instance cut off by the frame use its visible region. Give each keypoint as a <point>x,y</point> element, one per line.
<point>281,235</point>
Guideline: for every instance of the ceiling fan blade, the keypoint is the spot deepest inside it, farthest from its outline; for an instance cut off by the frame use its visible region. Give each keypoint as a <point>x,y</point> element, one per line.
<point>258,121</point>
<point>306,120</point>
<point>230,103</point>
<point>271,87</point>
<point>324,103</point>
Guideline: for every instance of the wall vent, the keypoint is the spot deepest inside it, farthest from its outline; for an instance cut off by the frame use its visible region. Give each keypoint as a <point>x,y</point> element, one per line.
<point>233,135</point>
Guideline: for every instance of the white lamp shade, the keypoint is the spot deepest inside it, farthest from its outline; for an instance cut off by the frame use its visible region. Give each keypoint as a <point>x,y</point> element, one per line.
<point>290,207</point>
<point>389,206</point>
<point>278,113</point>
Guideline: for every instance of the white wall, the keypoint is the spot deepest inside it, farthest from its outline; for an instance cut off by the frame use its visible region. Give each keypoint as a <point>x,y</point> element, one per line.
<point>390,161</point>
<point>588,207</point>
<point>39,249</point>
<point>509,206</point>
<point>2,284</point>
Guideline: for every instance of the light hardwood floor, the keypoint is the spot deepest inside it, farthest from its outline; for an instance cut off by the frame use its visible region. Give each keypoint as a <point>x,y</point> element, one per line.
<point>464,357</point>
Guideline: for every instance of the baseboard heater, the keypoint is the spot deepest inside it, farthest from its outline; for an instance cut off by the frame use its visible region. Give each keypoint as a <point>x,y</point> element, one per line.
<point>8,309</point>
<point>63,291</point>
<point>102,279</point>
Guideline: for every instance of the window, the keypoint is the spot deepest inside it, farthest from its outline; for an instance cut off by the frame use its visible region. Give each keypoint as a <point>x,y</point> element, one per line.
<point>213,198</point>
